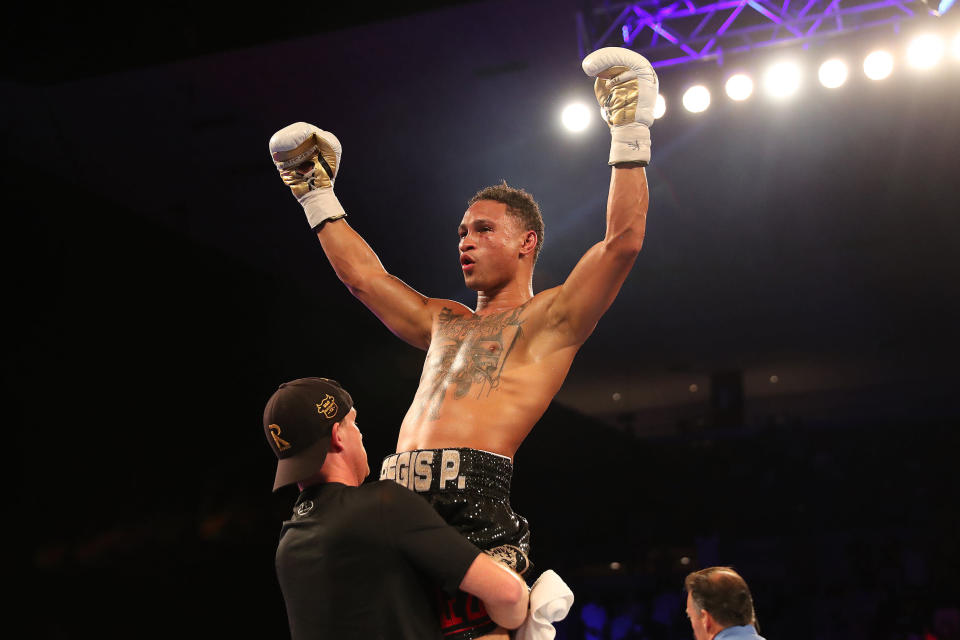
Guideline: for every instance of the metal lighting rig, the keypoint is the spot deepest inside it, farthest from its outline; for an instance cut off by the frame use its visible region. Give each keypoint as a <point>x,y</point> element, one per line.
<point>670,32</point>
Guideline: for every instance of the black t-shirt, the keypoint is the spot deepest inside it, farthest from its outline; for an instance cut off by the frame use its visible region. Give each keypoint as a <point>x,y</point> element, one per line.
<point>364,563</point>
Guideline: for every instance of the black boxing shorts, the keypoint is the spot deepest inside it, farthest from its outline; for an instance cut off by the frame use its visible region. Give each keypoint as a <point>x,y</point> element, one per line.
<point>470,489</point>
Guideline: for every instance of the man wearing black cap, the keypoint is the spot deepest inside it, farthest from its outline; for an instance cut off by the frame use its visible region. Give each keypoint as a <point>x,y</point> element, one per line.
<point>359,561</point>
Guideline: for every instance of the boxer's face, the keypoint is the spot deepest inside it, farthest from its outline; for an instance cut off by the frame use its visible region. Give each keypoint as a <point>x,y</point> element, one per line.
<point>490,243</point>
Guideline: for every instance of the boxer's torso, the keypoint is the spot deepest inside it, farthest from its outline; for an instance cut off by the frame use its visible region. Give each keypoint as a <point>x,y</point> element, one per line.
<point>487,378</point>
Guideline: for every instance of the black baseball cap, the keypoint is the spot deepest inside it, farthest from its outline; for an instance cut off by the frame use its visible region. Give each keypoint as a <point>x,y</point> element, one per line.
<point>298,421</point>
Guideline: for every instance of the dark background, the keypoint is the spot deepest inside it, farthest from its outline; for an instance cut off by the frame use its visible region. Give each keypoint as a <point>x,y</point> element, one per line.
<point>164,283</point>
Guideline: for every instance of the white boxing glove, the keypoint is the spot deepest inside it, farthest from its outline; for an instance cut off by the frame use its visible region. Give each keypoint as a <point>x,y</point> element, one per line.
<point>308,159</point>
<point>626,89</point>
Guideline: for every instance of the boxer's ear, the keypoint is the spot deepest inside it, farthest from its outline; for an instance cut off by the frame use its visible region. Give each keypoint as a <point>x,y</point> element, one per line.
<point>529,242</point>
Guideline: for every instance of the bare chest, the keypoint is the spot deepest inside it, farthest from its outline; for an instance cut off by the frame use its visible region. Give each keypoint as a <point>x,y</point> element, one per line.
<point>469,356</point>
<point>476,349</point>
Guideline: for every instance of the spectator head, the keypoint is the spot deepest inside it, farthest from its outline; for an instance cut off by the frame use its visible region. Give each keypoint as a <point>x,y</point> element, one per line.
<point>717,598</point>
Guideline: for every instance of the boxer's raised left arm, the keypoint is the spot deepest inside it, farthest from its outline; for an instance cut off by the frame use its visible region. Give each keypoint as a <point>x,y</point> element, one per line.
<point>591,287</point>
<point>626,87</point>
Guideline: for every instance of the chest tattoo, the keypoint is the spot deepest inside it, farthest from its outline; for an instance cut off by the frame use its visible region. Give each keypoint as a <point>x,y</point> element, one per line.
<point>468,355</point>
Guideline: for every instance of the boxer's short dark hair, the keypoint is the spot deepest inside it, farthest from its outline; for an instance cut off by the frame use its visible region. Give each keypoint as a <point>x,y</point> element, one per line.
<point>520,205</point>
<point>722,592</point>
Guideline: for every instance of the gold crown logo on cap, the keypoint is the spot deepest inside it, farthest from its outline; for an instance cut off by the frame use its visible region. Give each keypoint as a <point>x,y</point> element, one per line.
<point>328,406</point>
<point>282,445</point>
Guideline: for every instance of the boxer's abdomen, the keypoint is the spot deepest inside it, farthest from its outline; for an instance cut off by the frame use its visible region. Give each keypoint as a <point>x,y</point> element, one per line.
<point>463,405</point>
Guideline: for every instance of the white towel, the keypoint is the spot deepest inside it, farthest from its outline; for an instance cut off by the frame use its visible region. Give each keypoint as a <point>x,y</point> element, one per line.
<point>550,600</point>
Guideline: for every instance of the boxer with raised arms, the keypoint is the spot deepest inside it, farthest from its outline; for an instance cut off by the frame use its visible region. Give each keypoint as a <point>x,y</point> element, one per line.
<point>490,372</point>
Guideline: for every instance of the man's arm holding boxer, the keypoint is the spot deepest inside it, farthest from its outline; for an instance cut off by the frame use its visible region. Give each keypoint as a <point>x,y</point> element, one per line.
<point>442,553</point>
<point>504,593</point>
<point>308,159</point>
<point>626,87</point>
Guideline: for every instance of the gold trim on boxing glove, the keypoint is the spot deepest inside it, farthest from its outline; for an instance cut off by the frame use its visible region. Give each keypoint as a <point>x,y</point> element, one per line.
<point>612,72</point>
<point>307,167</point>
<point>618,101</point>
<point>325,221</point>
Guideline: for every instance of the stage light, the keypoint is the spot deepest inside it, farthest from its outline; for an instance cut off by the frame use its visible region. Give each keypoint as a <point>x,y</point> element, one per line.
<point>833,73</point>
<point>955,47</point>
<point>938,7</point>
<point>575,117</point>
<point>739,87</point>
<point>925,51</point>
<point>782,79</point>
<point>878,65</point>
<point>659,107</point>
<point>696,99</point>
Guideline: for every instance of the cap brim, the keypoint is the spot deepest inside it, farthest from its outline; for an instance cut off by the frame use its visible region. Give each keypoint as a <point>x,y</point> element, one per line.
<point>303,465</point>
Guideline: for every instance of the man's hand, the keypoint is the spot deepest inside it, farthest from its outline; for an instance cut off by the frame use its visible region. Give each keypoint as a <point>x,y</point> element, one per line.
<point>308,159</point>
<point>626,89</point>
<point>504,593</point>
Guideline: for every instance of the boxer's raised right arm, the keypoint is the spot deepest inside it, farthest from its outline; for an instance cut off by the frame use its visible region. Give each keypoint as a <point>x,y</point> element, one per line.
<point>308,159</point>
<point>406,312</point>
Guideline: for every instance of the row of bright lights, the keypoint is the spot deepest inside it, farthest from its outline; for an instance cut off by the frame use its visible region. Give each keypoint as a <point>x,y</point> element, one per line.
<point>783,79</point>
